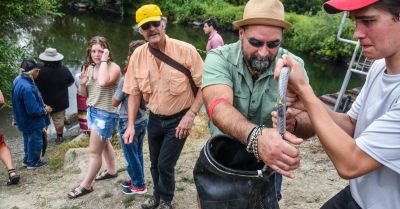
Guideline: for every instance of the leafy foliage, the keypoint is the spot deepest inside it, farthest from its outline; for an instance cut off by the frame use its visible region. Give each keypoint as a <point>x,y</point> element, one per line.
<point>237,2</point>
<point>16,9</point>
<point>184,11</point>
<point>10,55</point>
<point>303,7</point>
<point>316,35</point>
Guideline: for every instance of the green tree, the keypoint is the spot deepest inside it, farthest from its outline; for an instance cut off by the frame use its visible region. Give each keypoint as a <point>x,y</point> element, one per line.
<point>316,35</point>
<point>10,57</point>
<point>303,7</point>
<point>16,9</point>
<point>12,13</point>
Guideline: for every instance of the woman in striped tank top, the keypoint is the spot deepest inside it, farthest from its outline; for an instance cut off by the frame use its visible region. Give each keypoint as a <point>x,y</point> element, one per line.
<point>98,82</point>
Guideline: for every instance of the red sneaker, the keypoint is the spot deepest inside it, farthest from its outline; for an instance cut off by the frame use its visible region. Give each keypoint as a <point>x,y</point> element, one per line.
<point>134,190</point>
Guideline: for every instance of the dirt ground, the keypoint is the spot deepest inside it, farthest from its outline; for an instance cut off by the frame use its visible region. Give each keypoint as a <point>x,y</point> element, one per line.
<point>314,183</point>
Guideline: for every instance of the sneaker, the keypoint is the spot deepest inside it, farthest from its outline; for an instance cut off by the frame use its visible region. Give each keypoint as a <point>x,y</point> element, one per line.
<point>134,190</point>
<point>165,205</point>
<point>150,203</point>
<point>38,164</point>
<point>24,164</point>
<point>126,184</point>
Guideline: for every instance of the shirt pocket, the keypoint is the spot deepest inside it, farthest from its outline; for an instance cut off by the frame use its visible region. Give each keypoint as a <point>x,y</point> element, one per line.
<point>177,82</point>
<point>143,80</point>
<point>241,100</point>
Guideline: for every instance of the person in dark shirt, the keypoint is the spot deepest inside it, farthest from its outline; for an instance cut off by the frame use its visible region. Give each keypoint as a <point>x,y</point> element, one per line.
<point>53,82</point>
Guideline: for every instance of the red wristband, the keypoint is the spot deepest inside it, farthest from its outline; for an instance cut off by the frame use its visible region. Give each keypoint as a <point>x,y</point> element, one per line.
<point>214,103</point>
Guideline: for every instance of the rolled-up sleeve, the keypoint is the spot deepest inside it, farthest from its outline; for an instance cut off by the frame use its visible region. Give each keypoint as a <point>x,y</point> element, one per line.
<point>197,67</point>
<point>131,84</point>
<point>216,70</point>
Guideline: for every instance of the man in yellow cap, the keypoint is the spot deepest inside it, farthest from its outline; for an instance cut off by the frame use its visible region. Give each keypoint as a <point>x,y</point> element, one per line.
<point>171,96</point>
<point>238,84</point>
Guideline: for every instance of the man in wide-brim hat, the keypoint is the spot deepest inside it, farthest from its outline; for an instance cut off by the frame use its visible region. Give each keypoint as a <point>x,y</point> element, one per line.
<point>53,82</point>
<point>238,85</point>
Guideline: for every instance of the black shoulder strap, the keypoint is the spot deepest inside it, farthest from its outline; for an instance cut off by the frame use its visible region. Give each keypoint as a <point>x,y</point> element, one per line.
<point>171,62</point>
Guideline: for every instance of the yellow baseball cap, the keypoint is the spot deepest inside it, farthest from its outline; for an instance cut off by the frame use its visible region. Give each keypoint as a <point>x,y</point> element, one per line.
<point>148,13</point>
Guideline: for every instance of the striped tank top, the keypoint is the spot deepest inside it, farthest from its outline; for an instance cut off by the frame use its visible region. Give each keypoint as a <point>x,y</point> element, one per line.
<point>98,96</point>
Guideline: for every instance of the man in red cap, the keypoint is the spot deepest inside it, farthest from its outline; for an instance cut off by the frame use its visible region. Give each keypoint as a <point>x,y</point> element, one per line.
<point>364,143</point>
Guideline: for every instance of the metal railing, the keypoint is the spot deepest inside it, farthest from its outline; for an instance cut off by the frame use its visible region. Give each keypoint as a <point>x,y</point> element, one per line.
<point>358,64</point>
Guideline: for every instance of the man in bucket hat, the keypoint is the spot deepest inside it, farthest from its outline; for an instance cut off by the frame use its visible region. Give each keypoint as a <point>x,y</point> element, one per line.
<point>53,82</point>
<point>364,143</point>
<point>170,97</point>
<point>30,113</point>
<point>239,89</point>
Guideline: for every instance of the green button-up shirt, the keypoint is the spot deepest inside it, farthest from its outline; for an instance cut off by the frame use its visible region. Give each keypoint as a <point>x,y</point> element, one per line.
<point>255,100</point>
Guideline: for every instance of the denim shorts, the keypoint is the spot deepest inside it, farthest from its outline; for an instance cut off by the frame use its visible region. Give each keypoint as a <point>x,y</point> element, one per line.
<point>103,122</point>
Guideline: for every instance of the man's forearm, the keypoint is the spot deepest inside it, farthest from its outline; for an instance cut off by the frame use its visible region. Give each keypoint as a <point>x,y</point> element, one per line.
<point>228,119</point>
<point>232,122</point>
<point>343,120</point>
<point>133,107</point>
<point>338,144</point>
<point>305,129</point>
<point>198,102</point>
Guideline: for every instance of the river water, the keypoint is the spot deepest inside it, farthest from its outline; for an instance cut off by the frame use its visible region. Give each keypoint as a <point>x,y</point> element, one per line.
<point>70,33</point>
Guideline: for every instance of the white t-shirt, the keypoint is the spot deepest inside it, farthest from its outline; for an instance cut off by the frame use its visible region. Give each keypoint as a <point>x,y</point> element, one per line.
<point>377,133</point>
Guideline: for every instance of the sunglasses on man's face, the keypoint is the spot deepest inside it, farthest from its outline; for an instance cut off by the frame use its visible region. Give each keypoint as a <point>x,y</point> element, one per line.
<point>155,24</point>
<point>270,44</point>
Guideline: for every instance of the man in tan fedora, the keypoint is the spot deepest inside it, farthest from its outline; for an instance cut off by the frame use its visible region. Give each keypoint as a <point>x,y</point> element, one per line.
<point>53,82</point>
<point>238,85</point>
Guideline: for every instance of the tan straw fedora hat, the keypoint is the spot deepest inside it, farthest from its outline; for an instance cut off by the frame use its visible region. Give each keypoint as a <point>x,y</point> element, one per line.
<point>263,12</point>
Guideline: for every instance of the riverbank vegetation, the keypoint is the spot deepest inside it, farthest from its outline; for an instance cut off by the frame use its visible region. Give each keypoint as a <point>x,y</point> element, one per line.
<point>314,31</point>
<point>13,13</point>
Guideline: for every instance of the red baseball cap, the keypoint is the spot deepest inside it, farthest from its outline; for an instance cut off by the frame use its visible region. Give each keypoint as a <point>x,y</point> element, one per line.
<point>336,6</point>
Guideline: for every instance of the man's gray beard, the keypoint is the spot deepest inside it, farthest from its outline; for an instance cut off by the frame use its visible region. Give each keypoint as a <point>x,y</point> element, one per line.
<point>260,65</point>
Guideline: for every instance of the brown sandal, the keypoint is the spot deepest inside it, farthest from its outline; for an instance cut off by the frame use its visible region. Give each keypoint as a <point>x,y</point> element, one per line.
<point>105,175</point>
<point>79,191</point>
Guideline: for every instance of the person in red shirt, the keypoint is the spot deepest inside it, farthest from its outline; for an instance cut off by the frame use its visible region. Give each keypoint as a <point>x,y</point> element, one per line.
<point>5,155</point>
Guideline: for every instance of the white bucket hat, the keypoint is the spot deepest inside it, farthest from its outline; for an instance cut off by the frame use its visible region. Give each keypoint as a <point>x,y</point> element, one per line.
<point>51,55</point>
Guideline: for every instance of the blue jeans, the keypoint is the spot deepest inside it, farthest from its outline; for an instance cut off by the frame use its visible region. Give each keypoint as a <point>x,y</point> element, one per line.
<point>101,121</point>
<point>342,200</point>
<point>33,143</point>
<point>133,152</point>
<point>165,150</point>
<point>278,185</point>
